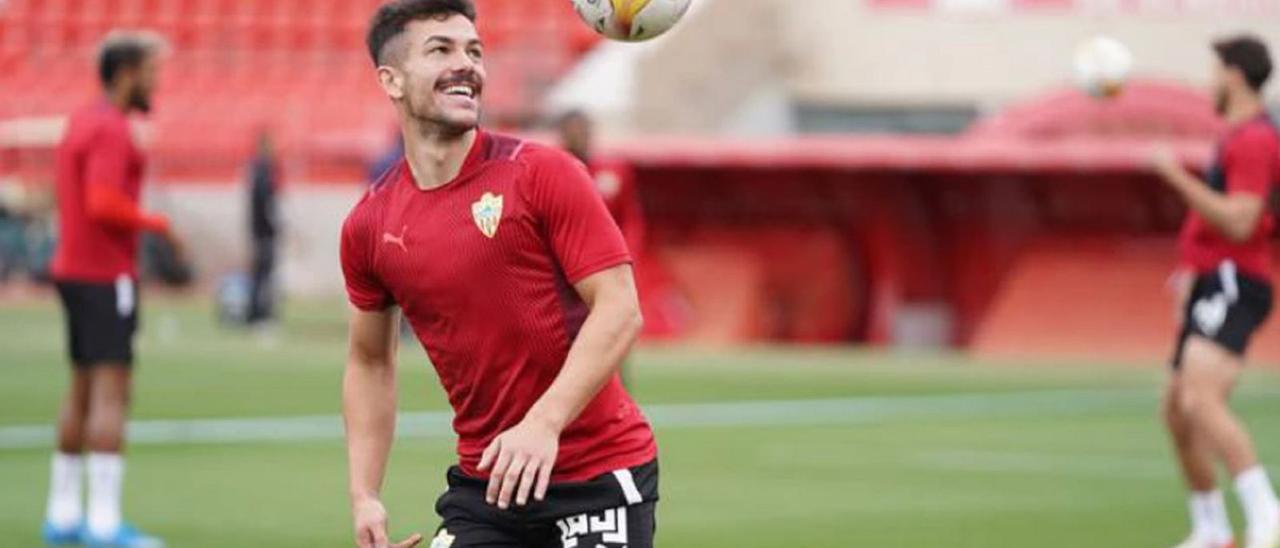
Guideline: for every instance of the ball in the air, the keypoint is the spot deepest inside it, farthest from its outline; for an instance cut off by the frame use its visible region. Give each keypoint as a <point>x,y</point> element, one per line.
<point>631,20</point>
<point>1102,66</point>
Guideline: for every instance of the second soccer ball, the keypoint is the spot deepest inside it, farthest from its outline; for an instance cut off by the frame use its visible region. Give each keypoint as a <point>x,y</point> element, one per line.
<point>1102,66</point>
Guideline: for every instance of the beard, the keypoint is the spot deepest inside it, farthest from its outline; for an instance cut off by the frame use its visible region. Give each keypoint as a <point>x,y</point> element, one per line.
<point>1220,101</point>
<point>423,108</point>
<point>140,100</point>
<point>429,115</point>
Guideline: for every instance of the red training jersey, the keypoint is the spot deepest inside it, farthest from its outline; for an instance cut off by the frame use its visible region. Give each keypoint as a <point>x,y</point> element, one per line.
<point>97,153</point>
<point>483,268</point>
<point>1247,161</point>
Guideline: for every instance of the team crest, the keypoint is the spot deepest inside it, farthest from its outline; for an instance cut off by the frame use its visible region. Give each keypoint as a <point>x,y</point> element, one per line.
<point>443,540</point>
<point>488,213</point>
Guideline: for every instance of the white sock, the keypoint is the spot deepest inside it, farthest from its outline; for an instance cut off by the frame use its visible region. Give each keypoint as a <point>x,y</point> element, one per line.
<point>66,508</point>
<point>1258,498</point>
<point>1209,519</point>
<point>106,476</point>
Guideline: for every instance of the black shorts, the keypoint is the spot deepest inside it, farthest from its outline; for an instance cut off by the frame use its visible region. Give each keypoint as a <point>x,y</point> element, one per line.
<point>1226,307</point>
<point>614,510</point>
<point>101,321</point>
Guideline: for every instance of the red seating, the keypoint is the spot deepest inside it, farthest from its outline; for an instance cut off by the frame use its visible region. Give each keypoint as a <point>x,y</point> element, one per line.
<point>298,67</point>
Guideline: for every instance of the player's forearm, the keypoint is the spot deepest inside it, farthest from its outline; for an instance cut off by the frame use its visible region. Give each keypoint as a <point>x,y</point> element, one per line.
<point>1225,215</point>
<point>107,205</point>
<point>603,342</point>
<point>369,412</point>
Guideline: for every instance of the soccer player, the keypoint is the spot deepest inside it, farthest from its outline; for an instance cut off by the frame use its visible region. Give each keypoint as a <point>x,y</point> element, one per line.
<point>615,180</point>
<point>1224,247</point>
<point>264,228</point>
<point>517,283</point>
<point>99,180</point>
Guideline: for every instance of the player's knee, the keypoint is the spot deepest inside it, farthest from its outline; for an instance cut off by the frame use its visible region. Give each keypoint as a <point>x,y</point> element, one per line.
<point>1198,400</point>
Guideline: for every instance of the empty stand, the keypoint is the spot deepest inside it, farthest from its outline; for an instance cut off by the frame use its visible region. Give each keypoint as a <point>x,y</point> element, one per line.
<point>298,67</point>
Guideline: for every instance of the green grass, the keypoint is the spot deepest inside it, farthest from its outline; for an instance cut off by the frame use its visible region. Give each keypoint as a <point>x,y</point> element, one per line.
<point>1087,472</point>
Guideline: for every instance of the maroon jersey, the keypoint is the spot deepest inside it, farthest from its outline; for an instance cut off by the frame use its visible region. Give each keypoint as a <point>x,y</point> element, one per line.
<point>483,268</point>
<point>98,151</point>
<point>1248,162</point>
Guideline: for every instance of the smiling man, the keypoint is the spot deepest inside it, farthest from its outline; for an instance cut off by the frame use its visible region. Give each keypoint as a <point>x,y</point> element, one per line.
<point>518,284</point>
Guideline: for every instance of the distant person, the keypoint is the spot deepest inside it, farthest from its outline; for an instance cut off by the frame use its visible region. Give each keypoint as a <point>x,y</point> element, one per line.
<point>615,179</point>
<point>389,158</point>
<point>519,286</point>
<point>99,182</point>
<point>1225,248</point>
<point>264,215</point>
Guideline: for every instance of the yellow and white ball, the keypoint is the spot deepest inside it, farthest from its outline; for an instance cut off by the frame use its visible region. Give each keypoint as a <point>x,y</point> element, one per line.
<point>631,20</point>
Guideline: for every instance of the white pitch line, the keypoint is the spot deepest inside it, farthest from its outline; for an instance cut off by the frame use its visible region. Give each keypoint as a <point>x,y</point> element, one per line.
<point>1093,466</point>
<point>855,410</point>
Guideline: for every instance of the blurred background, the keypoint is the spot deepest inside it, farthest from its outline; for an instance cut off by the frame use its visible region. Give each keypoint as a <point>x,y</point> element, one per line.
<point>900,215</point>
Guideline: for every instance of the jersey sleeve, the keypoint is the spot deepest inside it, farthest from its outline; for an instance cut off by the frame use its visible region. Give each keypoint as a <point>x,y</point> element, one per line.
<point>580,230</point>
<point>364,289</point>
<point>1251,162</point>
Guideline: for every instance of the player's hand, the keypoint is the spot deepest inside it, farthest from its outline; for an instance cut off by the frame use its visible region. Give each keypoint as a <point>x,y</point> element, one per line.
<point>176,245</point>
<point>1165,163</point>
<point>371,526</point>
<point>519,462</point>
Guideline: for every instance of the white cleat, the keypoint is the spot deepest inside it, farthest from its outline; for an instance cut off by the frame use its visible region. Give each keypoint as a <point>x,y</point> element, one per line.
<point>1269,538</point>
<point>1197,542</point>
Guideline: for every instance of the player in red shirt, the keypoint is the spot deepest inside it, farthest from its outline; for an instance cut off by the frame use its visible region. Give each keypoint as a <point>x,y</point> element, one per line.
<point>1225,248</point>
<point>99,181</point>
<point>614,178</point>
<point>518,284</point>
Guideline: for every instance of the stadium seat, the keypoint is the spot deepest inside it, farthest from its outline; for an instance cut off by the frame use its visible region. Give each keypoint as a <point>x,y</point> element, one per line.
<point>298,66</point>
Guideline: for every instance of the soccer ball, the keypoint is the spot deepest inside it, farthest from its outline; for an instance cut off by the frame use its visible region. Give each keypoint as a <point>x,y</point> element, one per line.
<point>1102,66</point>
<point>631,20</point>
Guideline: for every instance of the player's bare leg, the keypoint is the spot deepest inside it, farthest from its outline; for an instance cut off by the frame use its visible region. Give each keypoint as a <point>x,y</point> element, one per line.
<point>64,513</point>
<point>74,414</point>
<point>108,408</point>
<point>1209,376</point>
<point>1194,455</point>
<point>1210,524</point>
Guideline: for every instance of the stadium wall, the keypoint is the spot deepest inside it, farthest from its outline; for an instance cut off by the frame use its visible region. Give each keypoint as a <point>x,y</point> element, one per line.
<point>908,54</point>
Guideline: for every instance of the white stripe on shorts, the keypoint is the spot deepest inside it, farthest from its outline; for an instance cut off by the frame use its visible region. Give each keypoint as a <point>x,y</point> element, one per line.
<point>1230,288</point>
<point>628,484</point>
<point>124,296</point>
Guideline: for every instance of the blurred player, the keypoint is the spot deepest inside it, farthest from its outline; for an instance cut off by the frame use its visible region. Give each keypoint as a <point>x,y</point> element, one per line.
<point>517,282</point>
<point>99,181</point>
<point>1225,250</point>
<point>614,178</point>
<point>264,227</point>
<point>615,181</point>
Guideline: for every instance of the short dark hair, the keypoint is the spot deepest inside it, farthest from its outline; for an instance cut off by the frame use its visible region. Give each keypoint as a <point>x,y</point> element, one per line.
<point>391,19</point>
<point>121,51</point>
<point>1248,54</point>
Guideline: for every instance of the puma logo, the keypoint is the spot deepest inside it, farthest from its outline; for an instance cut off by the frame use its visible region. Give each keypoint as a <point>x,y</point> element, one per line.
<point>389,238</point>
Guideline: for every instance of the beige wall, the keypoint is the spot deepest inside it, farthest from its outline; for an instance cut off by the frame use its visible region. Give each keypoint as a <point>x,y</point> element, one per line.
<point>866,55</point>
<point>843,52</point>
<point>212,220</point>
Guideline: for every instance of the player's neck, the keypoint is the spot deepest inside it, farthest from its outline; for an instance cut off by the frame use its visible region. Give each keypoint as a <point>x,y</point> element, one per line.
<point>435,159</point>
<point>1243,109</point>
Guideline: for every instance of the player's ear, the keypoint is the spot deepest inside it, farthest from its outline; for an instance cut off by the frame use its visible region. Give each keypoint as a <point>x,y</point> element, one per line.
<point>392,82</point>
